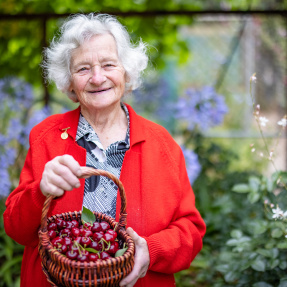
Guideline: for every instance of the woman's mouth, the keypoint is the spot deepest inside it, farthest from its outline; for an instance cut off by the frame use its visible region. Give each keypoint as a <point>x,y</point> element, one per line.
<point>98,91</point>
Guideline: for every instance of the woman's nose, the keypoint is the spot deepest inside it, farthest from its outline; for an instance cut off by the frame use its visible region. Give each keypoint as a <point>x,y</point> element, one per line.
<point>97,76</point>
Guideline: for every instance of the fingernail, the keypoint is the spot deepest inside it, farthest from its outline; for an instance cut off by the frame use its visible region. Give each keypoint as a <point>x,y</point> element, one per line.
<point>77,185</point>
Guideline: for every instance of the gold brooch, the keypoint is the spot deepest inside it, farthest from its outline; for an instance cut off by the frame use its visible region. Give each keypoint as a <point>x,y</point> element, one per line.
<point>64,135</point>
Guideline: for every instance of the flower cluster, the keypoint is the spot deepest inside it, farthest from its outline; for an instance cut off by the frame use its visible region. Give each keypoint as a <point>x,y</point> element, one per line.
<point>261,123</point>
<point>16,100</point>
<point>192,164</point>
<point>202,108</point>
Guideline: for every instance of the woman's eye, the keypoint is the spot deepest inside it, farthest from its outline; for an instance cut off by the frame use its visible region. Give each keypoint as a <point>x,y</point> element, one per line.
<point>83,69</point>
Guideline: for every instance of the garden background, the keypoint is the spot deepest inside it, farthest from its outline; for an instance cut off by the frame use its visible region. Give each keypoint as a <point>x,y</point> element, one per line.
<point>199,85</point>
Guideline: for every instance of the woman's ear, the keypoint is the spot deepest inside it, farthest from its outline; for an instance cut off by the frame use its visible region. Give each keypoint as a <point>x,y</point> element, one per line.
<point>127,78</point>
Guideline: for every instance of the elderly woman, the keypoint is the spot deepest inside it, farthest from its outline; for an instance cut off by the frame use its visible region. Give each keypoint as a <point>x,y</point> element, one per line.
<point>95,64</point>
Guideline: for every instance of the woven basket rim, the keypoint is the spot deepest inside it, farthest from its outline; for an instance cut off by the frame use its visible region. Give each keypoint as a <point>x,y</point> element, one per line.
<point>69,262</point>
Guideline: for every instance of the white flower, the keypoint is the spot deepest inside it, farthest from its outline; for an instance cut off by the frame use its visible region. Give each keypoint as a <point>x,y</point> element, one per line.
<point>277,213</point>
<point>263,121</point>
<point>253,150</point>
<point>283,122</point>
<point>253,78</point>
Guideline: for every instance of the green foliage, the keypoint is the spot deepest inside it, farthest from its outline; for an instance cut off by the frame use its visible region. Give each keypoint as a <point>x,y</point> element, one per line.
<point>244,245</point>
<point>10,257</point>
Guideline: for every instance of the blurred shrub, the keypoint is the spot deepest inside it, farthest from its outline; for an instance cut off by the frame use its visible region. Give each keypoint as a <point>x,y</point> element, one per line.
<point>17,119</point>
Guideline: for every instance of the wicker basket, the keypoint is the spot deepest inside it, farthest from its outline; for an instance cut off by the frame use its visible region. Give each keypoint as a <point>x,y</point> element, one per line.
<point>61,271</point>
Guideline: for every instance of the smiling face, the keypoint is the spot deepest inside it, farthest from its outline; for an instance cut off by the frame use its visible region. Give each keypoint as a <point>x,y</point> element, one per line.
<point>98,77</point>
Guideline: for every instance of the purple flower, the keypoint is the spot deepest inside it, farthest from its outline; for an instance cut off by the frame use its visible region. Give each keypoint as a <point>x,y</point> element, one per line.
<point>7,158</point>
<point>5,182</point>
<point>15,129</point>
<point>15,94</point>
<point>201,108</point>
<point>192,164</point>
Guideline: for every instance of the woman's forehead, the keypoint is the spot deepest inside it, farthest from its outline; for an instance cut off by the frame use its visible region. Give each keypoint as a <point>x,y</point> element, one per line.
<point>101,47</point>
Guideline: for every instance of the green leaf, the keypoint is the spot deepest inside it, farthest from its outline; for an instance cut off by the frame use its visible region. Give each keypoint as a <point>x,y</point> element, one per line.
<point>282,244</point>
<point>254,183</point>
<point>265,252</point>
<point>276,233</point>
<point>91,250</point>
<point>259,265</point>
<point>223,268</point>
<point>236,233</point>
<point>8,264</point>
<point>121,252</point>
<point>283,282</point>
<point>257,226</point>
<point>253,197</point>
<point>88,215</point>
<point>241,188</point>
<point>262,284</point>
<point>231,276</point>
<point>269,185</point>
<point>274,263</point>
<point>283,265</point>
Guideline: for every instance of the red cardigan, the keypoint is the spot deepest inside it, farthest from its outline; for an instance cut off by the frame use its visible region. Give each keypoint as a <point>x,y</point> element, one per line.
<point>160,201</point>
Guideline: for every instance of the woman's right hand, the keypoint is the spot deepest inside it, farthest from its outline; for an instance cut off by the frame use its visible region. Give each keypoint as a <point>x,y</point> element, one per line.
<point>60,174</point>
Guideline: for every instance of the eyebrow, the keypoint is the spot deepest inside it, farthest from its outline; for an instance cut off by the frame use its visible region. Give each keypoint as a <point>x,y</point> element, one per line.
<point>87,62</point>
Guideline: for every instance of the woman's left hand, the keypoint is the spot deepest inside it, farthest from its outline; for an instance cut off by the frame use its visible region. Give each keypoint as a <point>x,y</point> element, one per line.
<point>142,260</point>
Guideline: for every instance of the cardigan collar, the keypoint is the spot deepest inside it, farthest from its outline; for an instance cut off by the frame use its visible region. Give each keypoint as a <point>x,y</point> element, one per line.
<point>137,130</point>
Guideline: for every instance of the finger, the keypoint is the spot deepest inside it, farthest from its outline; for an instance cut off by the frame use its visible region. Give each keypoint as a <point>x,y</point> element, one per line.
<point>71,163</point>
<point>135,237</point>
<point>55,168</point>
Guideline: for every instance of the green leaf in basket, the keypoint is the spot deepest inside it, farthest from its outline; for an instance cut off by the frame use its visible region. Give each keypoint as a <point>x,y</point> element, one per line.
<point>121,252</point>
<point>92,250</point>
<point>88,216</point>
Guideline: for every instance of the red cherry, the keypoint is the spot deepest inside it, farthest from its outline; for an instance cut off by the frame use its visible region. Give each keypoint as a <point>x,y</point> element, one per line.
<point>96,227</point>
<point>52,234</point>
<point>113,233</point>
<point>78,239</point>
<point>65,232</point>
<point>83,258</point>
<point>96,245</point>
<point>87,225</point>
<point>105,226</point>
<point>57,240</point>
<point>52,226</point>
<point>108,237</point>
<point>69,224</point>
<point>72,254</point>
<point>85,241</point>
<point>62,248</point>
<point>114,247</point>
<point>98,235</point>
<point>75,223</point>
<point>74,248</point>
<point>86,233</point>
<point>75,231</point>
<point>68,241</point>
<point>61,223</point>
<point>93,257</point>
<point>104,255</point>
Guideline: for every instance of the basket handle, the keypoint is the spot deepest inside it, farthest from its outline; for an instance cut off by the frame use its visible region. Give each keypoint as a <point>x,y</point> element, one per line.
<point>86,173</point>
